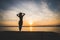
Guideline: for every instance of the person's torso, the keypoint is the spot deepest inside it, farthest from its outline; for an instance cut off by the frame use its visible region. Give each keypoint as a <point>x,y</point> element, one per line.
<point>21,18</point>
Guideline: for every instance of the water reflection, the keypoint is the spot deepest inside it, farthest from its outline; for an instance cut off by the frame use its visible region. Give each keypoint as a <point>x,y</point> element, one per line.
<point>31,29</point>
<point>52,29</point>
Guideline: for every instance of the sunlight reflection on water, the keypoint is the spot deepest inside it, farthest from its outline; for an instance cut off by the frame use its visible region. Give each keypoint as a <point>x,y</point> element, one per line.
<point>53,29</point>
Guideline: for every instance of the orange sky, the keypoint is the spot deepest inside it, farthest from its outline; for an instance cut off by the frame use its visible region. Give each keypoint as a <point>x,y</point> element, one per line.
<point>29,23</point>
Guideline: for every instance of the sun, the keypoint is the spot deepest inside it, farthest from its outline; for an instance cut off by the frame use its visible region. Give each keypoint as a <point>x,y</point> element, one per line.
<point>30,23</point>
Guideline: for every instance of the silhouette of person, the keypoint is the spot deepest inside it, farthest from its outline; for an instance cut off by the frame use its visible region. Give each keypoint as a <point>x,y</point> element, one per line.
<point>20,15</point>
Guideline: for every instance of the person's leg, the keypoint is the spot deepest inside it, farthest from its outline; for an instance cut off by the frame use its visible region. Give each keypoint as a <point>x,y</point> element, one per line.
<point>20,27</point>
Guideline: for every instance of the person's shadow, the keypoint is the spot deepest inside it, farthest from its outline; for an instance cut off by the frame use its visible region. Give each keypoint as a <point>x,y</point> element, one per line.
<point>20,15</point>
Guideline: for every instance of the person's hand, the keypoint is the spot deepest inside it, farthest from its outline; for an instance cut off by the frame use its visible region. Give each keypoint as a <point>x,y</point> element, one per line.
<point>17,14</point>
<point>24,13</point>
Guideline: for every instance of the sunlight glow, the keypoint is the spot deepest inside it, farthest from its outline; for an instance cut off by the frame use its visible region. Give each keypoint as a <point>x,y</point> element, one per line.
<point>30,28</point>
<point>30,22</point>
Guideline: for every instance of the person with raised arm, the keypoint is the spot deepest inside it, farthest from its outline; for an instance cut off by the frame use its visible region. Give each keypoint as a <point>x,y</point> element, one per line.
<point>20,15</point>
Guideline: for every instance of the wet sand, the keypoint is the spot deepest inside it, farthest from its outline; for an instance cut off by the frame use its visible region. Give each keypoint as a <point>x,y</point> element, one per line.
<point>26,35</point>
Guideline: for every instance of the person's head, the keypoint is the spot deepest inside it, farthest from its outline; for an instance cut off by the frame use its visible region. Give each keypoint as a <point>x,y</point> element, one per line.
<point>20,13</point>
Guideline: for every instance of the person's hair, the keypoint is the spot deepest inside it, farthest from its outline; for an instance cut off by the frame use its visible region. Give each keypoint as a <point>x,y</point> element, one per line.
<point>20,13</point>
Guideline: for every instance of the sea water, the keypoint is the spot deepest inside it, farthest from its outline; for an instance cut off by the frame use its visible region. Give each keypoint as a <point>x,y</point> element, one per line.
<point>47,29</point>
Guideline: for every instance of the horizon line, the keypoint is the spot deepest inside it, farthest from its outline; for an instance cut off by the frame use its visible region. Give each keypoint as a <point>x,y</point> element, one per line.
<point>36,26</point>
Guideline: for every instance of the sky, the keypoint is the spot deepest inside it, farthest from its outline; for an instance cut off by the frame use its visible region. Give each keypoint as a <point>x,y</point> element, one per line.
<point>38,12</point>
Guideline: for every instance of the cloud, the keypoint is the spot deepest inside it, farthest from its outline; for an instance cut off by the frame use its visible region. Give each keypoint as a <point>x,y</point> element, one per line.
<point>38,12</point>
<point>54,5</point>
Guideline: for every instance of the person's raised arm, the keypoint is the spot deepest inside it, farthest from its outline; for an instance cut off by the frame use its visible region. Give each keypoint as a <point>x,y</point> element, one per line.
<point>18,15</point>
<point>23,14</point>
